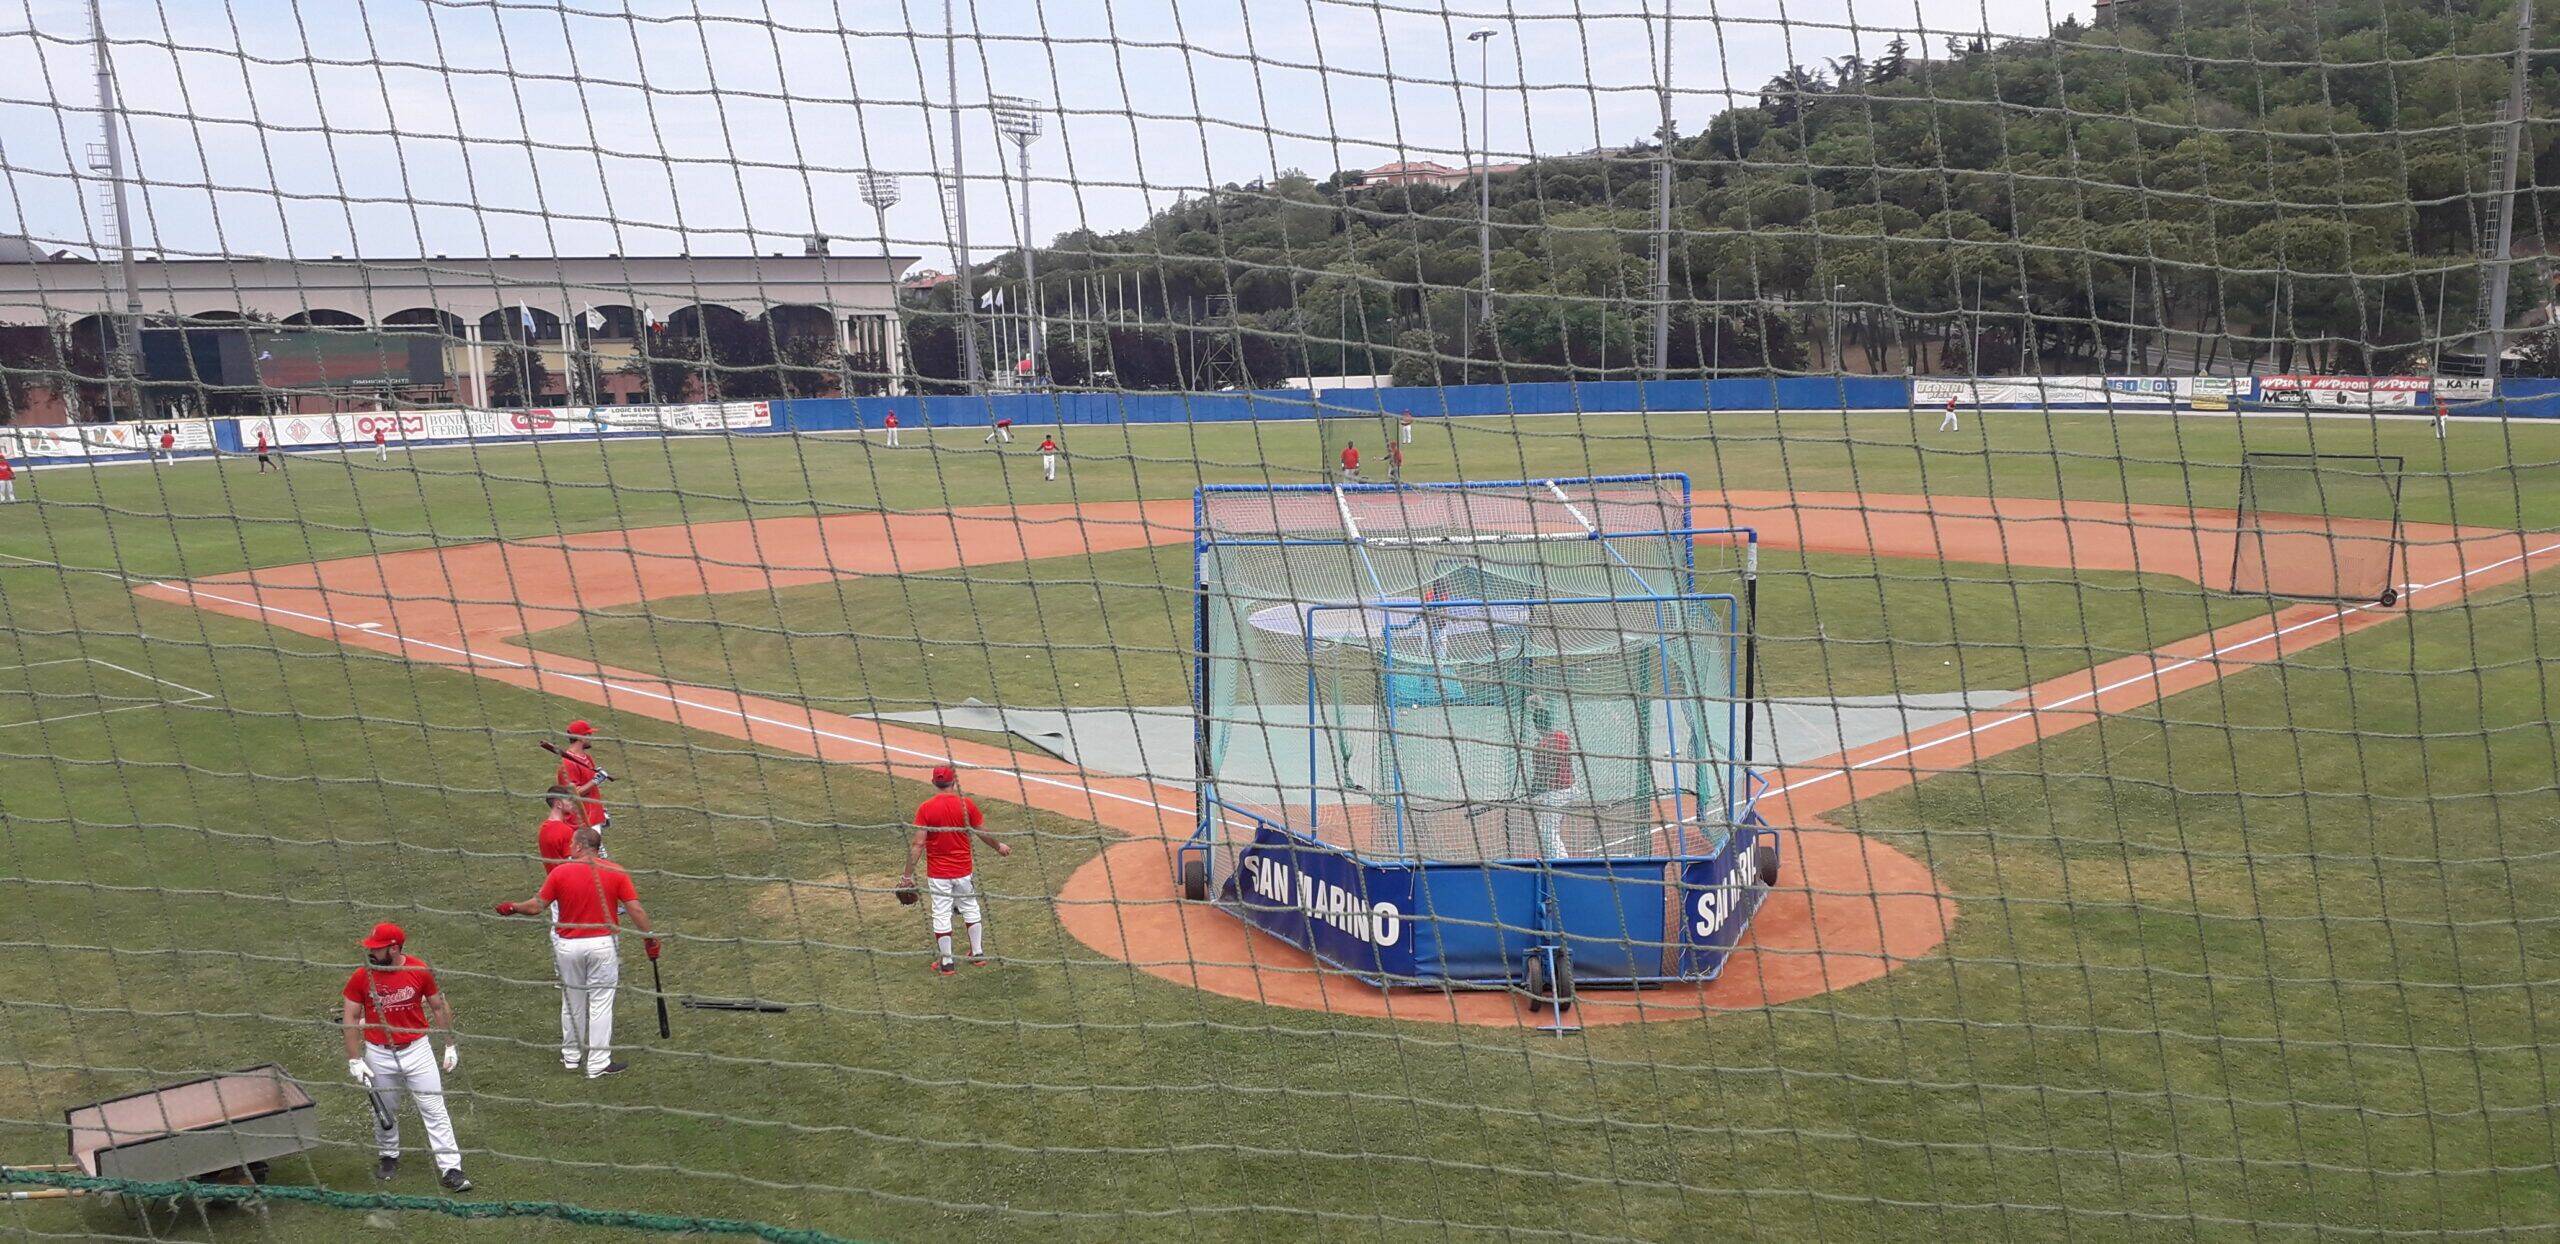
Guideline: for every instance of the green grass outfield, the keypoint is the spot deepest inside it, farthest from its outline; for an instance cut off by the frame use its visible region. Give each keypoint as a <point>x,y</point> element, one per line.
<point>2274,958</point>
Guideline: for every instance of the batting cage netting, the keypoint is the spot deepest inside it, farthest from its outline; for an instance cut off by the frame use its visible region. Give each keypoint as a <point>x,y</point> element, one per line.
<point>1203,619</point>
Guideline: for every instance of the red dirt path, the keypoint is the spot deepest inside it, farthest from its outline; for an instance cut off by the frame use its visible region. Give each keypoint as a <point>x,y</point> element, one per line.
<point>1848,910</point>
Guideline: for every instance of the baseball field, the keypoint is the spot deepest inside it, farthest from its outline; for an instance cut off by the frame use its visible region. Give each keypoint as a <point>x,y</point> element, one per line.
<point>2209,914</point>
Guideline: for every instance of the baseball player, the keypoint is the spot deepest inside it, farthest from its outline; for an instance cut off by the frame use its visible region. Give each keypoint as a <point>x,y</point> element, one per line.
<point>1002,431</point>
<point>1553,787</point>
<point>381,446</point>
<point>168,444</point>
<point>1949,423</point>
<point>586,899</point>
<point>553,839</point>
<point>889,423</point>
<point>1395,462</point>
<point>8,481</point>
<point>1404,429</point>
<point>1049,458</point>
<point>578,772</point>
<point>944,824</point>
<point>263,461</point>
<point>388,1009</point>
<point>1351,460</point>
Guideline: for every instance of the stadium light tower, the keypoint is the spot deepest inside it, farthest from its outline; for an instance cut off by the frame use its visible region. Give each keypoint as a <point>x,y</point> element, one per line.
<point>1018,118</point>
<point>120,360</point>
<point>1483,39</point>
<point>881,191</point>
<point>957,188</point>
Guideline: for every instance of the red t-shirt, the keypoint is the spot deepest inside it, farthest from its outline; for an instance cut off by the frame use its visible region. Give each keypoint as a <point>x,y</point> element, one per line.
<point>551,842</point>
<point>394,1000</point>
<point>7,471</point>
<point>587,897</point>
<point>576,770</point>
<point>946,820</point>
<point>1048,446</point>
<point>1555,762</point>
<point>377,436</point>
<point>168,440</point>
<point>1004,423</point>
<point>1350,458</point>
<point>889,420</point>
<point>262,442</point>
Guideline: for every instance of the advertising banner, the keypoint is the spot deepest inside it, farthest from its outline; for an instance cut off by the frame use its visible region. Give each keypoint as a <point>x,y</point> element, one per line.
<point>1320,898</point>
<point>2461,389</point>
<point>2344,392</point>
<point>85,440</point>
<point>2041,392</point>
<point>458,424</point>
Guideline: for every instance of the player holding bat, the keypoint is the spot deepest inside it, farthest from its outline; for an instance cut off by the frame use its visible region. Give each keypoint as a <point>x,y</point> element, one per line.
<point>391,1005</point>
<point>587,900</point>
<point>578,772</point>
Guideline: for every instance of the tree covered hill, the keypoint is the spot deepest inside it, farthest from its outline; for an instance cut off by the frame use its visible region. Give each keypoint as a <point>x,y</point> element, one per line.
<point>2189,182</point>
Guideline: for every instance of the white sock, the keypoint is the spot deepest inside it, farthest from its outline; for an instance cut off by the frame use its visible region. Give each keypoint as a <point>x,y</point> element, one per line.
<point>977,942</point>
<point>942,942</point>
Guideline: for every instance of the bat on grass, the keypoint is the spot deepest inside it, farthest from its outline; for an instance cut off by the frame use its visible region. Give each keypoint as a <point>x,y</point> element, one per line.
<point>737,1004</point>
<point>660,986</point>
<point>554,749</point>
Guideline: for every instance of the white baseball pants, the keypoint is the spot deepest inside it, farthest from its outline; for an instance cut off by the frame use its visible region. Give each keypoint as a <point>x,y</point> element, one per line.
<point>412,1069</point>
<point>1049,467</point>
<point>893,437</point>
<point>948,894</point>
<point>8,490</point>
<point>590,971</point>
<point>1551,809</point>
<point>1949,424</point>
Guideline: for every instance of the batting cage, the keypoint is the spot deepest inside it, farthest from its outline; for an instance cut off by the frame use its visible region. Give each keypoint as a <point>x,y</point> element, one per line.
<point>2318,527</point>
<point>1481,733</point>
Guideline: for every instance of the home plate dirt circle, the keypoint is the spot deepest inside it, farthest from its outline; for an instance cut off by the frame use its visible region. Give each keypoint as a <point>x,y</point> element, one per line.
<point>1846,910</point>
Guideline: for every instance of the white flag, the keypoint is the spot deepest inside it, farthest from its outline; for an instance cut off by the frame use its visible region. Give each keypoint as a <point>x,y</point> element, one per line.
<point>527,313</point>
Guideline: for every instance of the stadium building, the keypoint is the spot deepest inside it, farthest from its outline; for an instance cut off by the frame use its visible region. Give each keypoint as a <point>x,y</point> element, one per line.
<point>235,336</point>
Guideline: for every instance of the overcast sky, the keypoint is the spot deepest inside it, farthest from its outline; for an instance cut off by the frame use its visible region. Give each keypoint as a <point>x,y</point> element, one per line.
<point>396,127</point>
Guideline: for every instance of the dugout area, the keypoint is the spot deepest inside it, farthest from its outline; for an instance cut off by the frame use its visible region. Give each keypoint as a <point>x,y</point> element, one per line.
<point>1478,734</point>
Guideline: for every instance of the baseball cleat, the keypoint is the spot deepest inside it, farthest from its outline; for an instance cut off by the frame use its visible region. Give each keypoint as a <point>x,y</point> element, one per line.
<point>386,1169</point>
<point>610,1069</point>
<point>977,961</point>
<point>455,1181</point>
<point>944,966</point>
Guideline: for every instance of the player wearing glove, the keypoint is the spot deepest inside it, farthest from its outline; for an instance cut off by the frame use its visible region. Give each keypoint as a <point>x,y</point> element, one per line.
<point>944,824</point>
<point>586,899</point>
<point>388,1010</point>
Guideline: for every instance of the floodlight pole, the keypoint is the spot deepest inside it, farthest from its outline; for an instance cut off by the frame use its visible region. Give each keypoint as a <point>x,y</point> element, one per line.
<point>2504,264</point>
<point>969,371</point>
<point>1662,220</point>
<point>110,116</point>
<point>1018,118</point>
<point>881,191</point>
<point>1483,39</point>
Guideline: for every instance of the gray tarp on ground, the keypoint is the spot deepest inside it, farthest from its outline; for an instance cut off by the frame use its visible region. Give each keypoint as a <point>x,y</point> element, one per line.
<point>1156,742</point>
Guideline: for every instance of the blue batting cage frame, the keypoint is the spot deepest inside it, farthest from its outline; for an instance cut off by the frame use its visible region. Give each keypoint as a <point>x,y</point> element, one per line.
<point>1622,920</point>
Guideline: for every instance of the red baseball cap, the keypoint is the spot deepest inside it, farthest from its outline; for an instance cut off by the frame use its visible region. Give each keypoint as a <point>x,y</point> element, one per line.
<point>385,934</point>
<point>580,728</point>
<point>945,775</point>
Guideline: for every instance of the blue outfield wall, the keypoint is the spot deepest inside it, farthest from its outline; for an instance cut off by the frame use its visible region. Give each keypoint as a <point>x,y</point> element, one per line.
<point>1028,410</point>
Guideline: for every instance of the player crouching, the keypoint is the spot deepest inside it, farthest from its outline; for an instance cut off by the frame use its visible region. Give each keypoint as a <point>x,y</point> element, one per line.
<point>391,1005</point>
<point>944,824</point>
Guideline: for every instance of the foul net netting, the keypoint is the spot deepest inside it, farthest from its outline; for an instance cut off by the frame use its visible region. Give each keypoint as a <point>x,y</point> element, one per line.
<point>1569,619</point>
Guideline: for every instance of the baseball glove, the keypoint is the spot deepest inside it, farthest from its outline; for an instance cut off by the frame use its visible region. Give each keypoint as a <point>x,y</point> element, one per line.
<point>906,896</point>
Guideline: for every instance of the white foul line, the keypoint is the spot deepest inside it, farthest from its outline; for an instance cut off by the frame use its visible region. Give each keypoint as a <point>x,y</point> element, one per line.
<point>2154,674</point>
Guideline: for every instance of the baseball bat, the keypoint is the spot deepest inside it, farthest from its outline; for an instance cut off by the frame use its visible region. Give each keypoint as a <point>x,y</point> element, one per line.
<point>550,747</point>
<point>661,987</point>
